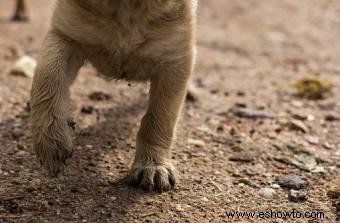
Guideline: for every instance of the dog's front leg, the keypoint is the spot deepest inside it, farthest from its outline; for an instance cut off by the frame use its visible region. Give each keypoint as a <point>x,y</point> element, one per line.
<point>152,168</point>
<point>20,11</point>
<point>59,62</point>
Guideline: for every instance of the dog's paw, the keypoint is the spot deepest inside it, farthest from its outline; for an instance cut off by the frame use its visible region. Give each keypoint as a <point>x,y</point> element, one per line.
<point>154,177</point>
<point>53,146</point>
<point>54,160</point>
<point>20,17</point>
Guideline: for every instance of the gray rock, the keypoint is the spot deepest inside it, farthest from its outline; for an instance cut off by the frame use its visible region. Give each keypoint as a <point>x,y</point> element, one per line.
<point>242,157</point>
<point>295,182</point>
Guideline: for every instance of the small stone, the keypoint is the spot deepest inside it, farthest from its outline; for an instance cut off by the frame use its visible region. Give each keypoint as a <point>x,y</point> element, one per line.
<point>311,117</point>
<point>245,181</point>
<point>251,113</point>
<point>297,104</point>
<point>24,66</point>
<point>293,182</point>
<point>328,146</point>
<point>298,125</point>
<point>179,207</point>
<point>20,153</point>
<point>275,186</point>
<point>191,97</point>
<point>71,124</point>
<point>313,140</point>
<point>268,193</point>
<point>237,148</point>
<point>334,193</point>
<point>23,115</point>
<point>89,146</point>
<point>241,93</point>
<point>272,135</point>
<point>205,199</point>
<point>196,142</point>
<point>297,196</point>
<point>275,37</point>
<point>99,96</point>
<point>313,88</point>
<point>244,157</point>
<point>318,169</point>
<point>87,109</point>
<point>12,207</point>
<point>21,146</point>
<point>34,185</point>
<point>332,118</point>
<point>17,133</point>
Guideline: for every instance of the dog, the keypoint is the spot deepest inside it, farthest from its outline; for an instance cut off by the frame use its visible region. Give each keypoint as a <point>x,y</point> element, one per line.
<point>142,41</point>
<point>20,13</point>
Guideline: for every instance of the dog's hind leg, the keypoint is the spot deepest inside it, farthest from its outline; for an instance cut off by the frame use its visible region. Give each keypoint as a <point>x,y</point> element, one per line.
<point>59,63</point>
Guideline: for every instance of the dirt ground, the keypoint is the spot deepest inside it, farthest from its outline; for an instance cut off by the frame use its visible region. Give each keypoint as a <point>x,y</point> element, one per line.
<point>250,54</point>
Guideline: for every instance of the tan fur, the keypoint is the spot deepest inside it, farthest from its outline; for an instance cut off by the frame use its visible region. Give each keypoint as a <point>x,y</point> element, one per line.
<point>20,13</point>
<point>149,40</point>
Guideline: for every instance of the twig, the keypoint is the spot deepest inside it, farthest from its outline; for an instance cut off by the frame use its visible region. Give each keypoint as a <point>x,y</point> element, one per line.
<point>215,184</point>
<point>16,216</point>
<point>148,214</point>
<point>12,198</point>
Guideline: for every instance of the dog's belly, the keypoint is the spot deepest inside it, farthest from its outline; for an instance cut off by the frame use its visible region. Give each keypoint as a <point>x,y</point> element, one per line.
<point>121,65</point>
<point>132,49</point>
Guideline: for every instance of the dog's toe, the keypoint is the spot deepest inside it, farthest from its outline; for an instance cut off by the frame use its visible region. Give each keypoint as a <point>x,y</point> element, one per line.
<point>153,177</point>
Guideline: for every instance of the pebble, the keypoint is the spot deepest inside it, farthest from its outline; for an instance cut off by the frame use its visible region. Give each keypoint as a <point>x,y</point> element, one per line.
<point>318,169</point>
<point>332,118</point>
<point>295,182</point>
<point>275,186</point>
<point>313,140</point>
<point>89,146</point>
<point>334,193</point>
<point>87,109</point>
<point>191,96</point>
<point>196,142</point>
<point>99,96</point>
<point>20,153</point>
<point>298,125</point>
<point>12,207</point>
<point>21,146</point>
<point>244,157</point>
<point>268,193</point>
<point>24,66</point>
<point>251,113</point>
<point>205,199</point>
<point>237,148</point>
<point>275,37</point>
<point>17,133</point>
<point>245,181</point>
<point>297,196</point>
<point>328,146</point>
<point>297,104</point>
